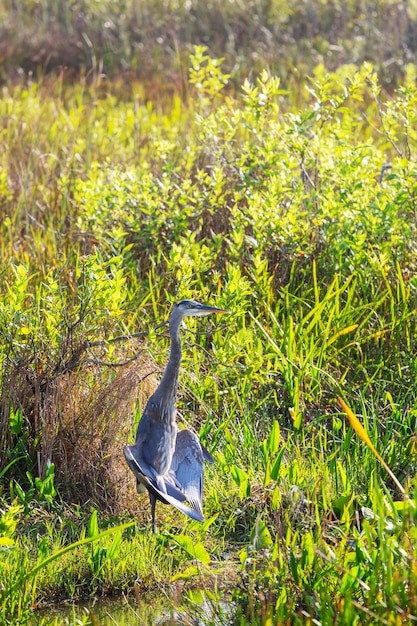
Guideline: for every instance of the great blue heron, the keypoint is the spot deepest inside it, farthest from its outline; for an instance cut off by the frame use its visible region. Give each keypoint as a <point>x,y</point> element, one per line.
<point>166,461</point>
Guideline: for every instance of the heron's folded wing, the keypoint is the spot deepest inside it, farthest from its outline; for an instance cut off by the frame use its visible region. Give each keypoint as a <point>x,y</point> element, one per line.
<point>172,496</point>
<point>187,468</point>
<point>206,454</point>
<point>148,477</point>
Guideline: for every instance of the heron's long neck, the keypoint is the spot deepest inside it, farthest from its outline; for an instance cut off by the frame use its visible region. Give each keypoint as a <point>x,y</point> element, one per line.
<point>166,393</point>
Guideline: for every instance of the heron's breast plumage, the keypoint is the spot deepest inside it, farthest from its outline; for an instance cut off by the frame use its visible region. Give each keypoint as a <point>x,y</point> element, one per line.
<point>156,435</point>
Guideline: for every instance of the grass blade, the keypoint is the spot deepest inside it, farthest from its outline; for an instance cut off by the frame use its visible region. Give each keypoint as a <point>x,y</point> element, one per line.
<point>357,426</point>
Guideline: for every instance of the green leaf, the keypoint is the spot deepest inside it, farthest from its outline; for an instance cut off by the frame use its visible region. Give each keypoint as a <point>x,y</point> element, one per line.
<point>9,465</point>
<point>260,535</point>
<point>242,479</point>
<point>186,574</point>
<point>194,549</point>
<point>349,579</point>
<point>274,438</point>
<point>6,542</point>
<point>16,421</point>
<point>93,525</point>
<point>115,545</point>
<point>276,466</point>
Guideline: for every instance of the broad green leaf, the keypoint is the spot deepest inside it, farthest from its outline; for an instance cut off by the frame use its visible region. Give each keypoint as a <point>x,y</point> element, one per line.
<point>93,525</point>
<point>277,464</point>
<point>194,549</point>
<point>260,535</point>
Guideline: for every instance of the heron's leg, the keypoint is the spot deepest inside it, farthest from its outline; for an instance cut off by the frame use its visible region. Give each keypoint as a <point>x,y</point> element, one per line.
<point>153,504</point>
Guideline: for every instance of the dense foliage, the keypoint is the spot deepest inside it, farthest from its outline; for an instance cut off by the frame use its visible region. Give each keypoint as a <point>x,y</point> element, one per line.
<point>297,212</point>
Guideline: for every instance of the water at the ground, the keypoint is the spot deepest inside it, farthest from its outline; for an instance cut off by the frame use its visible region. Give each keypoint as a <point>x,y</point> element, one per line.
<point>152,611</point>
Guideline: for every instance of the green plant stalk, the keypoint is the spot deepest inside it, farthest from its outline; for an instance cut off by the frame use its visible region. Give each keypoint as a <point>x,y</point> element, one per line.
<point>59,553</point>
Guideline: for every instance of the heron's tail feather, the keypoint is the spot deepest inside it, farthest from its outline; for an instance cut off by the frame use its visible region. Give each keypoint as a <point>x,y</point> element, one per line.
<point>196,505</point>
<point>191,512</point>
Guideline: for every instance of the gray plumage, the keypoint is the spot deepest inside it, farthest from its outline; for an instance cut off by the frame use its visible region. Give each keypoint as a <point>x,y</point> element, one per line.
<point>167,462</point>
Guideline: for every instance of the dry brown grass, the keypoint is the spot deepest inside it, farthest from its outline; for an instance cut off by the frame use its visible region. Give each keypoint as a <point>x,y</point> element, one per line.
<point>95,421</point>
<point>80,421</point>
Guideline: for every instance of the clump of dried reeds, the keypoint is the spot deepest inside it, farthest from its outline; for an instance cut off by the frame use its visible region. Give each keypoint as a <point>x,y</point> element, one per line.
<point>80,420</point>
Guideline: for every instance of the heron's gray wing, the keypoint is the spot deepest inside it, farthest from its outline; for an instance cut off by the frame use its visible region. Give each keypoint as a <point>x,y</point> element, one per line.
<point>206,454</point>
<point>148,477</point>
<point>187,469</point>
<point>172,496</point>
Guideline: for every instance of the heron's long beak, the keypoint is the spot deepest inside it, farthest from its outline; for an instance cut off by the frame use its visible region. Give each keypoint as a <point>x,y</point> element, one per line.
<point>205,309</point>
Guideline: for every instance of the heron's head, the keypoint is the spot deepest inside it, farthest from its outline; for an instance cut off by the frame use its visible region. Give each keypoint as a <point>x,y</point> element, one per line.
<point>187,308</point>
<point>192,308</point>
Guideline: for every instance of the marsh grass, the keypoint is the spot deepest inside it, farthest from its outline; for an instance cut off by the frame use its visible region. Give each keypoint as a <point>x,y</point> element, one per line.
<point>151,42</point>
<point>288,217</point>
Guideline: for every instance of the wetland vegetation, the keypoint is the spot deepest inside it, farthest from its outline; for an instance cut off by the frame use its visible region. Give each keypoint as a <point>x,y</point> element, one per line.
<point>288,198</point>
